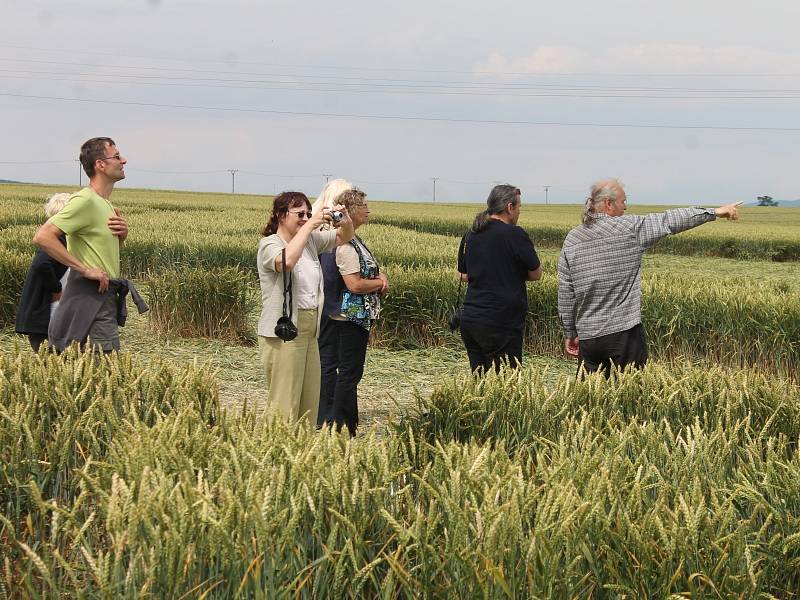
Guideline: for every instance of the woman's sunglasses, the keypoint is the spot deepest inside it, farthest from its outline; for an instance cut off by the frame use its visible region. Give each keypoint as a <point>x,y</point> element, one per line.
<point>302,214</point>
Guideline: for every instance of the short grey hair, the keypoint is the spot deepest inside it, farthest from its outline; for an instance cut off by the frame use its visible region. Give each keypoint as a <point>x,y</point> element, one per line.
<point>607,189</point>
<point>351,199</point>
<point>55,203</point>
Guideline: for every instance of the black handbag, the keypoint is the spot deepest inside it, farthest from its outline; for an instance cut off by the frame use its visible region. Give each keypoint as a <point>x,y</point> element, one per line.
<point>454,322</point>
<point>284,328</point>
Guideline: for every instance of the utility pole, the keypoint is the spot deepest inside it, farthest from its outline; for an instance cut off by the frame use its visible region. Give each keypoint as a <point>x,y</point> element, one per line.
<point>546,194</point>
<point>327,176</point>
<point>80,172</point>
<point>434,187</point>
<point>233,173</point>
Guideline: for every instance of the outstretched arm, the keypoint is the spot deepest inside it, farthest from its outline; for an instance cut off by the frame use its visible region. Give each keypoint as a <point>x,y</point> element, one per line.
<point>655,226</point>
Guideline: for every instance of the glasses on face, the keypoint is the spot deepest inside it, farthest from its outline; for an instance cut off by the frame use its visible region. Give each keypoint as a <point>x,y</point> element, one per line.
<point>115,157</point>
<point>301,214</point>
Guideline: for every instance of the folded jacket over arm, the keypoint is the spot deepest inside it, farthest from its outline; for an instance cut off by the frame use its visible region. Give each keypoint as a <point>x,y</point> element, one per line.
<point>80,305</point>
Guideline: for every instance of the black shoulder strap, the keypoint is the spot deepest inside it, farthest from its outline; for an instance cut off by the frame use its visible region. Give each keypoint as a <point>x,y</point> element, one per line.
<point>462,254</point>
<point>287,285</point>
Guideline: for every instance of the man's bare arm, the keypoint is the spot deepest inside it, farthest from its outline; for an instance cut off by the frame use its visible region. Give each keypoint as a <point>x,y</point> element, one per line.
<point>46,238</point>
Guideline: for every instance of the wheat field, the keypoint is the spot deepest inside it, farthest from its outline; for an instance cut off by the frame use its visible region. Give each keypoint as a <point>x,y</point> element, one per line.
<point>159,473</point>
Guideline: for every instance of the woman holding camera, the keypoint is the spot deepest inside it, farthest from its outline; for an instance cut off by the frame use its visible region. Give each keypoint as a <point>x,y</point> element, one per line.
<point>289,250</point>
<point>353,287</point>
<point>496,258</point>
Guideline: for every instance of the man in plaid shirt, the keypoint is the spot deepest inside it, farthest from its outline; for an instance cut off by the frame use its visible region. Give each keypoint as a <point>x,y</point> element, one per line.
<point>599,273</point>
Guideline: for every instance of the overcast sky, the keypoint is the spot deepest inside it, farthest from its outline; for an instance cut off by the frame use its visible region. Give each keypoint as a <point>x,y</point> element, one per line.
<point>686,101</point>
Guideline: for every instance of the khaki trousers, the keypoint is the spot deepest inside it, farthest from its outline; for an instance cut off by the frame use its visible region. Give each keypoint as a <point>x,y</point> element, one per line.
<point>292,370</point>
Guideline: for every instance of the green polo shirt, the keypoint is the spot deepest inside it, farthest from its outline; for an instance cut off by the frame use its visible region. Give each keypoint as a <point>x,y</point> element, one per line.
<point>85,221</point>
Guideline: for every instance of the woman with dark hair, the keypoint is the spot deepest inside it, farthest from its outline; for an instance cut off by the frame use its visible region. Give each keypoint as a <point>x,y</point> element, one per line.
<point>496,258</point>
<point>292,242</point>
<point>353,288</point>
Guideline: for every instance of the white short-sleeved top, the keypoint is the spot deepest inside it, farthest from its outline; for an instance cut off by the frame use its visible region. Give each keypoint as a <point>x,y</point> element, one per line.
<point>306,275</point>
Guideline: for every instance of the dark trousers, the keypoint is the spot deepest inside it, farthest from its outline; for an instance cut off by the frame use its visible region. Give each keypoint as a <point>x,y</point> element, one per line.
<point>36,340</point>
<point>342,352</point>
<point>488,346</point>
<point>624,348</point>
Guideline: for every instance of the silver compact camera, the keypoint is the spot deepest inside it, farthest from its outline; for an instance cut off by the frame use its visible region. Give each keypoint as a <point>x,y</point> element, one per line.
<point>336,215</point>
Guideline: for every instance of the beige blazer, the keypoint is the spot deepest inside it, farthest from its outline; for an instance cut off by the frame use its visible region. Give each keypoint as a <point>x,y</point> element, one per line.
<point>269,248</point>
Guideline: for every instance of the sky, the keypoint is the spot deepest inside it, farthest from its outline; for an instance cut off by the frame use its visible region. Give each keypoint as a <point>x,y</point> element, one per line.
<point>687,102</point>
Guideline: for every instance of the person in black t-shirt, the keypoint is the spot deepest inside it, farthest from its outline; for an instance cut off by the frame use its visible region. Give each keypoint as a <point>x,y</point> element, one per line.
<point>496,258</point>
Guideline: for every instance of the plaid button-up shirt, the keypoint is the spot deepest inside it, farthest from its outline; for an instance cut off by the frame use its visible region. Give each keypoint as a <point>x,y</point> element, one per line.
<point>600,269</point>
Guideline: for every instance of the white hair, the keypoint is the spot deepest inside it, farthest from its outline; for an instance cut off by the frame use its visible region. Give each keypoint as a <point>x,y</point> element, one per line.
<point>55,203</point>
<point>607,189</point>
<point>329,193</point>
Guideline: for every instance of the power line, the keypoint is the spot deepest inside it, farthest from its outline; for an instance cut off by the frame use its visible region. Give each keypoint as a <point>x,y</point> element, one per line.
<point>136,169</point>
<point>379,81</point>
<point>315,175</point>
<point>234,172</point>
<point>291,86</point>
<point>405,117</point>
<point>363,181</point>
<point>308,176</point>
<point>464,182</point>
<point>412,70</point>
<point>35,162</point>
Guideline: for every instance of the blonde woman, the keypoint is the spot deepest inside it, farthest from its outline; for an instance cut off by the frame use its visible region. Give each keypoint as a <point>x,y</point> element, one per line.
<point>330,191</point>
<point>43,285</point>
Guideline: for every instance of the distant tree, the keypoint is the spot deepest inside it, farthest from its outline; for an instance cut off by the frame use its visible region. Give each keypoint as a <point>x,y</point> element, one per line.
<point>767,201</point>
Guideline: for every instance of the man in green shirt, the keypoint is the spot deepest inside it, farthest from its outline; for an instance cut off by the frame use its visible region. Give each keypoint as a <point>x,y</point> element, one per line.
<point>95,231</point>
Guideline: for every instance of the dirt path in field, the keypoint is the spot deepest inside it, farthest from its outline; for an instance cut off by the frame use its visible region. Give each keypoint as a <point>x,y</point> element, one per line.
<point>392,378</point>
<point>391,381</point>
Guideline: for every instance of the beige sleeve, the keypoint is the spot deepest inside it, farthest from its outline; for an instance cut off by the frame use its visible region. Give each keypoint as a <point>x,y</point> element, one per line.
<point>347,260</point>
<point>268,250</point>
<point>323,241</point>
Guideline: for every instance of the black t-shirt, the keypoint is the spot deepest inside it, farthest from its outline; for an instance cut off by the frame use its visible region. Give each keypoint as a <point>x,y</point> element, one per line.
<point>496,261</point>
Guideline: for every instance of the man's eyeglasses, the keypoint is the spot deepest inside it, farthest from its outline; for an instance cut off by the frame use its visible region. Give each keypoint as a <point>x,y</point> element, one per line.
<point>302,214</point>
<point>115,157</point>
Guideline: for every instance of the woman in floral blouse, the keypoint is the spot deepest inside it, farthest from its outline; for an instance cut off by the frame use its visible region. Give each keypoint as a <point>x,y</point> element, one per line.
<point>353,289</point>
